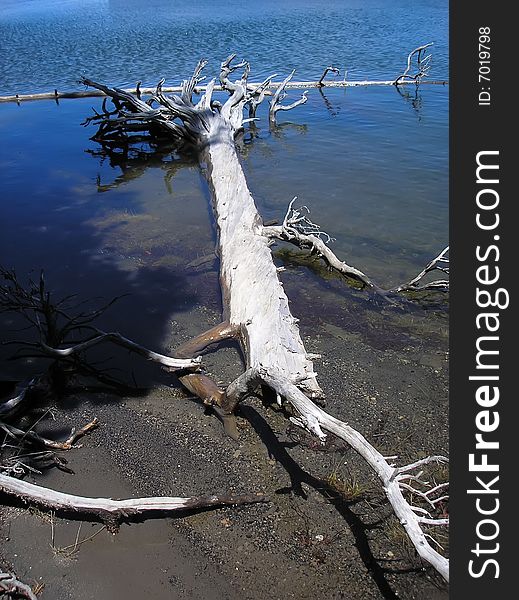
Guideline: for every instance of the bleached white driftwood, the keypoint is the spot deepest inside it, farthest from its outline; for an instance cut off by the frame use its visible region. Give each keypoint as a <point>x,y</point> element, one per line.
<point>162,359</point>
<point>175,89</point>
<point>256,309</point>
<point>115,510</point>
<point>423,65</point>
<point>10,585</point>
<point>440,263</point>
<point>254,299</point>
<point>34,438</point>
<point>12,405</point>
<point>253,296</point>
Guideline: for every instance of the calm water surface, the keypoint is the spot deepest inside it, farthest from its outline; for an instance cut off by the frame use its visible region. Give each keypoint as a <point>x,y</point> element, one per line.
<point>371,163</point>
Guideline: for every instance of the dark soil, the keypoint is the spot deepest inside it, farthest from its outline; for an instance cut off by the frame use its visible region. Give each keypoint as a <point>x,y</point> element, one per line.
<point>327,531</point>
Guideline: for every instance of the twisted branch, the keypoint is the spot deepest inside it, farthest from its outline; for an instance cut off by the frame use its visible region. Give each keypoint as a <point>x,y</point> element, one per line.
<point>279,96</point>
<point>423,66</point>
<point>298,229</point>
<point>316,421</point>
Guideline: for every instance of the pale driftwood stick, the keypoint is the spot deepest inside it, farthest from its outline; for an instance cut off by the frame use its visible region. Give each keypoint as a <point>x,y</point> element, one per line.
<point>423,66</point>
<point>293,85</point>
<point>258,95</point>
<point>440,263</point>
<point>138,107</point>
<point>117,338</point>
<point>110,510</point>
<point>300,231</point>
<point>23,389</point>
<point>314,419</point>
<point>279,95</point>
<point>10,585</point>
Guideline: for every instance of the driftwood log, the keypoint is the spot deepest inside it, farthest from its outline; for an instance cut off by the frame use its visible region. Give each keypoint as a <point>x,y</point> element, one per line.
<point>256,308</point>
<point>404,79</point>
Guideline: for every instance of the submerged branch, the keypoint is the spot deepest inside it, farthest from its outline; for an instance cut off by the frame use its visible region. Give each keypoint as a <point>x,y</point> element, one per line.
<point>298,229</point>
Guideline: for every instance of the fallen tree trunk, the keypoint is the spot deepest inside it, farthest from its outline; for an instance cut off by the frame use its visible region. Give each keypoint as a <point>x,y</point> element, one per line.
<point>175,89</point>
<point>256,307</point>
<point>256,310</point>
<point>254,300</point>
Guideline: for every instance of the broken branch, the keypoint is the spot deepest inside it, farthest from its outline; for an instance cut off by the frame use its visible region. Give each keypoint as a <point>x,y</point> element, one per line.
<point>112,511</point>
<point>422,66</point>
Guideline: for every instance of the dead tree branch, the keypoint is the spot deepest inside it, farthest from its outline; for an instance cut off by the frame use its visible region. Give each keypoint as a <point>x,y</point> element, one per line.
<point>115,511</point>
<point>55,325</point>
<point>280,95</point>
<point>423,65</point>
<point>335,70</point>
<point>226,84</point>
<point>440,263</point>
<point>117,338</point>
<point>314,419</point>
<point>298,229</point>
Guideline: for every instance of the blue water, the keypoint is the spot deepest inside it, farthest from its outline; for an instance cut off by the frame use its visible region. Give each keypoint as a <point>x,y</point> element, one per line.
<point>48,44</point>
<point>371,163</point>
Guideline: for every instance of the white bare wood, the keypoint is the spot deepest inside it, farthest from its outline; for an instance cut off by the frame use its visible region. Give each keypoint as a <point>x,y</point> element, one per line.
<point>108,509</point>
<point>253,296</point>
<point>120,340</point>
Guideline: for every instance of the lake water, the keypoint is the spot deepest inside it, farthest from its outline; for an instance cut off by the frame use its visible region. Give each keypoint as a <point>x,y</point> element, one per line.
<point>371,163</point>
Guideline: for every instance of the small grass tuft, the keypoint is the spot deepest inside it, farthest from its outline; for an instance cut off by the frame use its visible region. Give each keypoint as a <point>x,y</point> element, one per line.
<point>349,488</point>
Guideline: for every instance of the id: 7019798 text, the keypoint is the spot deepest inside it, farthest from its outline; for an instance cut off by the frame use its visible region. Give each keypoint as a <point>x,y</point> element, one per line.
<point>484,66</point>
